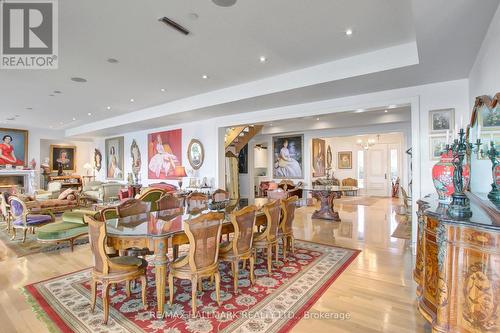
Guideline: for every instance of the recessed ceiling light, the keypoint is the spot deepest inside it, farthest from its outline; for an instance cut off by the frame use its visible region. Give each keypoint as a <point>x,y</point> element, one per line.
<point>271,124</point>
<point>90,113</point>
<point>29,108</point>
<point>360,110</point>
<point>392,106</point>
<point>262,59</point>
<point>205,77</point>
<point>78,79</point>
<point>112,61</point>
<point>74,118</point>
<point>57,92</point>
<point>348,32</point>
<point>163,90</point>
<point>317,118</point>
<point>386,111</point>
<point>108,107</point>
<point>224,3</point>
<point>132,100</point>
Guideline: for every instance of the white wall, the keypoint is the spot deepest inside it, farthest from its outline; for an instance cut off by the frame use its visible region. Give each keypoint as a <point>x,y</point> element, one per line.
<point>205,131</point>
<point>484,79</point>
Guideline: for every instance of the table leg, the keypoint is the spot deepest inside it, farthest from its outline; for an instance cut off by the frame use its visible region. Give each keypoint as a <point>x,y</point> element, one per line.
<point>326,211</point>
<point>160,262</point>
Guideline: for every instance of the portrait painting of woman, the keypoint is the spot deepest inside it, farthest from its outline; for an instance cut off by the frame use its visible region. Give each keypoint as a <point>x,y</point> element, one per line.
<point>288,157</point>
<point>135,154</point>
<point>14,147</point>
<point>62,158</point>
<point>114,158</point>
<point>318,157</point>
<point>164,153</point>
<point>97,159</point>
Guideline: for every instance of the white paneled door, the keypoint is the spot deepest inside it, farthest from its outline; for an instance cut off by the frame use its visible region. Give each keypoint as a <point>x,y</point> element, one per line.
<point>377,171</point>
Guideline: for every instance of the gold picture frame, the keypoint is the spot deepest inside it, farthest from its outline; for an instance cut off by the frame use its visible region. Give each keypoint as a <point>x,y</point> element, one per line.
<point>196,154</point>
<point>16,134</point>
<point>64,154</point>
<point>344,160</point>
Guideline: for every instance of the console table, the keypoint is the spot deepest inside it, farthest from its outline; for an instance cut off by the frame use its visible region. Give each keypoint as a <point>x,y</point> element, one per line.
<point>457,268</point>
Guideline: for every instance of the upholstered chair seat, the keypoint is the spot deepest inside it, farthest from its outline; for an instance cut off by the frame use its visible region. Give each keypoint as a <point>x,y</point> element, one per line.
<point>24,219</point>
<point>34,220</point>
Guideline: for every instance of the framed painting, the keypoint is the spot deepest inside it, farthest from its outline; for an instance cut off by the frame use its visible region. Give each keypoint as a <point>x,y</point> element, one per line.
<point>288,157</point>
<point>243,160</point>
<point>135,155</point>
<point>164,154</point>
<point>318,157</point>
<point>486,139</point>
<point>63,157</point>
<point>436,146</point>
<point>114,158</point>
<point>97,159</point>
<point>441,121</point>
<point>344,160</point>
<point>195,154</point>
<point>489,118</point>
<point>14,147</point>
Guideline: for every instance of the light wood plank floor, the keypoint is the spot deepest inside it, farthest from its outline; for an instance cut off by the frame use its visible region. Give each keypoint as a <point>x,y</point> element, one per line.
<point>377,290</point>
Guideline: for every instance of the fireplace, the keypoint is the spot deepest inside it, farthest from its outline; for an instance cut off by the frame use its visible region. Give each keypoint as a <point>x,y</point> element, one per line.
<point>21,180</point>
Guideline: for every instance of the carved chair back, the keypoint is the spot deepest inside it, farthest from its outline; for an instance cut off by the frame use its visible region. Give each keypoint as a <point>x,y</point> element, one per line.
<point>97,237</point>
<point>168,201</point>
<point>288,208</point>
<point>273,214</point>
<point>243,222</point>
<point>196,201</point>
<point>18,208</point>
<point>133,207</point>
<point>152,195</point>
<point>204,233</point>
<point>220,195</point>
<point>350,182</point>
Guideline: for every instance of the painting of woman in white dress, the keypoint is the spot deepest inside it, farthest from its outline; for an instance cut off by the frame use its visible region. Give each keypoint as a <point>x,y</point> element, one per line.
<point>288,157</point>
<point>164,153</point>
<point>114,158</point>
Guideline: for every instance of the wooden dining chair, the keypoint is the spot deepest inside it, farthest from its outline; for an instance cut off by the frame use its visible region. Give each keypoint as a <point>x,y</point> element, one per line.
<point>286,225</point>
<point>269,237</point>
<point>220,195</point>
<point>202,260</point>
<point>240,247</point>
<point>168,201</point>
<point>132,207</point>
<point>196,202</point>
<point>152,195</point>
<point>111,270</point>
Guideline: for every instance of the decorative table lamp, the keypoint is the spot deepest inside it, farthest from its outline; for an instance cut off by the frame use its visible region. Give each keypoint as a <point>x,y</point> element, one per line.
<point>180,172</point>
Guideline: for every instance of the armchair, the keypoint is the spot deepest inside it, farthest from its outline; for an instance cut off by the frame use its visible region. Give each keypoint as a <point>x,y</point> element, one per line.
<point>23,219</point>
<point>101,192</point>
<point>52,192</point>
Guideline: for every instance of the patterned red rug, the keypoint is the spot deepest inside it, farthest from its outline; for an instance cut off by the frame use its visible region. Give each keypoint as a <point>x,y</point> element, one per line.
<point>274,304</point>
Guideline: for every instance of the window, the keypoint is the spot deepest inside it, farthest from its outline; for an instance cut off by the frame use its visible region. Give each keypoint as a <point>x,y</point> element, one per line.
<point>360,172</point>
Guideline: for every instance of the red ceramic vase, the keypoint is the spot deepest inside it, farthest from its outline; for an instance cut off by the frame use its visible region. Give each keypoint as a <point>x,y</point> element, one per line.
<point>442,177</point>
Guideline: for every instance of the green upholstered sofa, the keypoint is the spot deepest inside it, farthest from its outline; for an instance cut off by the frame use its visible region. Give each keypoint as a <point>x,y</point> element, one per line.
<point>71,227</point>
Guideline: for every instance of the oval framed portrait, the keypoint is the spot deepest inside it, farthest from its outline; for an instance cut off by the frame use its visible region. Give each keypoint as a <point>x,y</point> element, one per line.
<point>196,154</point>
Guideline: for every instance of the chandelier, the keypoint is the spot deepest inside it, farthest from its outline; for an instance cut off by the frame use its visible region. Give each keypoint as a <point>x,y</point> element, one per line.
<point>366,144</point>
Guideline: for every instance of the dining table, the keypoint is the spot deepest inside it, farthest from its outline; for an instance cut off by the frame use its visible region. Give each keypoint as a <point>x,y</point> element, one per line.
<point>160,230</point>
<point>326,194</point>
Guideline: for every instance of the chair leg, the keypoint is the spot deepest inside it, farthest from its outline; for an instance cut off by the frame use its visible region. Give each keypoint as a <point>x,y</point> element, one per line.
<point>24,234</point>
<point>284,241</point>
<point>127,288</point>
<point>71,244</point>
<point>93,294</point>
<point>13,234</point>
<point>252,264</point>
<point>217,287</point>
<point>244,264</point>
<point>200,284</point>
<point>269,259</point>
<point>171,288</point>
<point>105,301</point>
<point>144,286</point>
<point>194,283</point>
<point>292,241</point>
<point>235,276</point>
<point>276,248</point>
<point>212,279</point>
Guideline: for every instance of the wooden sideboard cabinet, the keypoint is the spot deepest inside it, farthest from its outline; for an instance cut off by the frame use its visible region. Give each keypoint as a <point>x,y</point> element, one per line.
<point>457,269</point>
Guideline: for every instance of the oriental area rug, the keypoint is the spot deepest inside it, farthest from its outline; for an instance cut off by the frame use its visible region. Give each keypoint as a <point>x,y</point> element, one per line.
<point>273,304</point>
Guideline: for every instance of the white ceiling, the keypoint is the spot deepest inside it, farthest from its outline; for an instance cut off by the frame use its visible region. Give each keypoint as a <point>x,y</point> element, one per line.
<point>226,44</point>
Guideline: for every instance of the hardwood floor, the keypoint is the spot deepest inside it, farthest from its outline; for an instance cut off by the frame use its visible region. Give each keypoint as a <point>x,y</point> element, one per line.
<point>376,291</point>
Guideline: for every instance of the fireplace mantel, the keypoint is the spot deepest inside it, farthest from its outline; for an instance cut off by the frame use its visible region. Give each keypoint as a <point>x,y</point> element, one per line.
<point>30,176</point>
